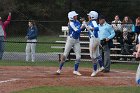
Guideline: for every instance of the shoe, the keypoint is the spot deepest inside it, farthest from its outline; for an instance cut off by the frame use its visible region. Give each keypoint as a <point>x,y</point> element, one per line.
<point>94,73</point>
<point>77,73</point>
<point>101,69</point>
<point>58,72</point>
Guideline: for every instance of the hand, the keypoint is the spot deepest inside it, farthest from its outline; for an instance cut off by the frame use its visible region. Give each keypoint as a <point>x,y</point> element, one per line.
<point>9,13</point>
<point>88,28</point>
<point>0,18</point>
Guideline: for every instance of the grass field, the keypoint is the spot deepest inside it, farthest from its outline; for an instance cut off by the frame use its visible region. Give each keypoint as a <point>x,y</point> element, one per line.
<point>40,48</point>
<point>126,66</point>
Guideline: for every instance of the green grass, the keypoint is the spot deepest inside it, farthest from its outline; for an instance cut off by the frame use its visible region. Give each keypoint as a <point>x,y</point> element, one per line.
<point>125,66</point>
<point>40,48</point>
<point>65,89</point>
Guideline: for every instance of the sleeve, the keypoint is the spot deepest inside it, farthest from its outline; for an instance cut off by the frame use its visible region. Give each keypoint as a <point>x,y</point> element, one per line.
<point>7,21</point>
<point>111,31</point>
<point>74,28</point>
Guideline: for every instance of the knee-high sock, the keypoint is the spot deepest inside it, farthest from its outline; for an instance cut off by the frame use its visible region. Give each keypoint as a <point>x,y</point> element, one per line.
<point>95,66</point>
<point>61,65</point>
<point>100,61</point>
<point>76,66</point>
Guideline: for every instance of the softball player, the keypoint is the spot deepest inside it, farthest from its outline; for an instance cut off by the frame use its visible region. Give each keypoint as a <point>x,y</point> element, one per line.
<point>31,37</point>
<point>137,54</point>
<point>72,41</point>
<point>93,29</point>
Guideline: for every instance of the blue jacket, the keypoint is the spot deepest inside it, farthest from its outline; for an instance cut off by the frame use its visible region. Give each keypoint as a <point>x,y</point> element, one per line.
<point>74,29</point>
<point>137,29</point>
<point>32,32</point>
<point>93,24</point>
<point>106,31</point>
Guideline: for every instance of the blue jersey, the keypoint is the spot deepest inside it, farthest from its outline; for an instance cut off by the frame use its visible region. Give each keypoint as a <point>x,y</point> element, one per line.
<point>74,29</point>
<point>93,24</point>
<point>32,32</point>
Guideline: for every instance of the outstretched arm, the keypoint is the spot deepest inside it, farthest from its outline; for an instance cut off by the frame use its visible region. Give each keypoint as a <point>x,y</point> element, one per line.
<point>8,20</point>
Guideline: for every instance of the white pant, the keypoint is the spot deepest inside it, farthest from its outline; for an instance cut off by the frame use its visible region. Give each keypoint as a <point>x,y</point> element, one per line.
<point>138,74</point>
<point>71,42</point>
<point>30,50</point>
<point>94,47</point>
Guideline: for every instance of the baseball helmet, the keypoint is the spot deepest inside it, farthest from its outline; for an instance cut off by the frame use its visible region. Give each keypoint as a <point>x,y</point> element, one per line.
<point>93,14</point>
<point>71,15</point>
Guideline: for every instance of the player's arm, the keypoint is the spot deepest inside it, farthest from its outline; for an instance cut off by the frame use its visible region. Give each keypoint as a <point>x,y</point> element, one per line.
<point>8,20</point>
<point>75,28</point>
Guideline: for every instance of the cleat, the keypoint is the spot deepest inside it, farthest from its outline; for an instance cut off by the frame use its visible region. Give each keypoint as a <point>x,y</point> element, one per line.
<point>58,72</point>
<point>101,69</point>
<point>94,73</point>
<point>77,73</point>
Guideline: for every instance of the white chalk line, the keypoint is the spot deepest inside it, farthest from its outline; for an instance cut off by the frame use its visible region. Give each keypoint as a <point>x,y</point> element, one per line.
<point>10,80</point>
<point>88,77</point>
<point>124,72</point>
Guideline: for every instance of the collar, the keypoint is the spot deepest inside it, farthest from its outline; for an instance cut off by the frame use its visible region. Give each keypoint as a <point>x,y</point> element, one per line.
<point>103,24</point>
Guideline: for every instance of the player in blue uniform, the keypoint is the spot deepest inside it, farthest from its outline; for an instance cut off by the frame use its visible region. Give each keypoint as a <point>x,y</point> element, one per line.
<point>72,41</point>
<point>93,29</point>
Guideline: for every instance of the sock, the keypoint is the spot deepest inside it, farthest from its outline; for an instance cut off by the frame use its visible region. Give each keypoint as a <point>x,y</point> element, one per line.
<point>100,61</point>
<point>76,66</point>
<point>95,66</point>
<point>138,82</point>
<point>61,65</point>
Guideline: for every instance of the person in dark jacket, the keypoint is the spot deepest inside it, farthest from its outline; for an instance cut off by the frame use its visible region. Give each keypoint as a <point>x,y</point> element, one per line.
<point>31,41</point>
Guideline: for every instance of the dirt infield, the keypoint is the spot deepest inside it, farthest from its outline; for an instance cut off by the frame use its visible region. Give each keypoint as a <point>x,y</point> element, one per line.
<point>22,77</point>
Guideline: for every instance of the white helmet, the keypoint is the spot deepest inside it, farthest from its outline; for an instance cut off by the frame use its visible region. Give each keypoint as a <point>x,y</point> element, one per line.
<point>93,14</point>
<point>71,15</point>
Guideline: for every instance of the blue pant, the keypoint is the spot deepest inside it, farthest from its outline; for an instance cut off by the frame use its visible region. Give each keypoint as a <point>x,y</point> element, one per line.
<point>1,46</point>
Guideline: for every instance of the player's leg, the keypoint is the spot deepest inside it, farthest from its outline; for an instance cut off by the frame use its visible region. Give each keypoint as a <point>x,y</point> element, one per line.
<point>100,60</point>
<point>33,46</point>
<point>68,47</point>
<point>27,50</point>
<point>93,55</point>
<point>138,75</point>
<point>77,50</point>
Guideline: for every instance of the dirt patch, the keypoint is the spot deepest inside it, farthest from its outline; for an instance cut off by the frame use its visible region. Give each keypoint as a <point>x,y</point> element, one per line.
<point>22,77</point>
